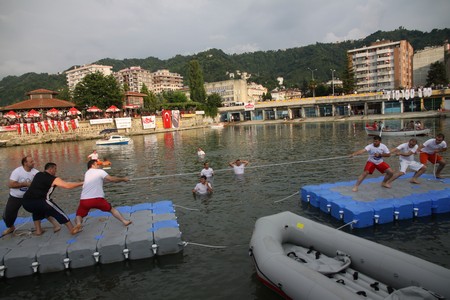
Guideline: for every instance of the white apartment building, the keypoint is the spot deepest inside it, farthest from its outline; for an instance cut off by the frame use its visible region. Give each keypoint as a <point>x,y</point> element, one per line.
<point>233,91</point>
<point>384,65</point>
<point>75,75</point>
<point>135,78</point>
<point>423,60</point>
<point>163,80</point>
<point>255,92</point>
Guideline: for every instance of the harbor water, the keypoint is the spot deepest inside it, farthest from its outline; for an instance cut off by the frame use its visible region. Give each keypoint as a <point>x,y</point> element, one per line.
<point>283,157</point>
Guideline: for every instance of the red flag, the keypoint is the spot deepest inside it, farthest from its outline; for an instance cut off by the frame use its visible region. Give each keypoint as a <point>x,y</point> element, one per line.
<point>66,128</point>
<point>72,123</point>
<point>167,119</point>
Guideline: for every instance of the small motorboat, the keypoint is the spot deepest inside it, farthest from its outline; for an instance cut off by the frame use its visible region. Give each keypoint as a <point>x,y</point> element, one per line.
<point>392,132</point>
<point>302,259</point>
<point>217,126</point>
<point>113,140</point>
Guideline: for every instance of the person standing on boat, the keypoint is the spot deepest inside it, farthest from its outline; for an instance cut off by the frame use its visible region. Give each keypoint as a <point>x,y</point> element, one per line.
<point>376,151</point>
<point>203,187</point>
<point>208,172</point>
<point>93,155</point>
<point>406,152</point>
<point>18,184</point>
<point>429,152</point>
<point>37,201</point>
<point>238,166</point>
<point>93,196</point>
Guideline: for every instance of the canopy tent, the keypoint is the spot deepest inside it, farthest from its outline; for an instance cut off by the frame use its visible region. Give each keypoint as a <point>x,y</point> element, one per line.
<point>53,112</point>
<point>94,109</point>
<point>11,114</point>
<point>32,114</point>
<point>113,108</point>
<point>73,111</point>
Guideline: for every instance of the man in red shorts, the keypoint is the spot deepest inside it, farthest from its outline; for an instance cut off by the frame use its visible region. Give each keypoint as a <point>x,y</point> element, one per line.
<point>429,152</point>
<point>92,195</point>
<point>376,151</point>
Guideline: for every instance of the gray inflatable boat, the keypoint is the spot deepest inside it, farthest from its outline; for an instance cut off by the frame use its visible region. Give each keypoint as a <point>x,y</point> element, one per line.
<point>302,259</point>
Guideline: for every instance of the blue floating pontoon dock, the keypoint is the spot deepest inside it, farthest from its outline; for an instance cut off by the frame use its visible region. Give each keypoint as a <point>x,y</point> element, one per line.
<point>104,239</point>
<point>373,204</point>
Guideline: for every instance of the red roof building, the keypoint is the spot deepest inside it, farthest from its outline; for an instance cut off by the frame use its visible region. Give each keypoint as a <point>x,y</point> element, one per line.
<point>40,99</point>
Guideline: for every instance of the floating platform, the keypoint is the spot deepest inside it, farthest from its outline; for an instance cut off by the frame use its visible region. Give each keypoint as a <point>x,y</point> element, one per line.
<point>373,204</point>
<point>104,240</point>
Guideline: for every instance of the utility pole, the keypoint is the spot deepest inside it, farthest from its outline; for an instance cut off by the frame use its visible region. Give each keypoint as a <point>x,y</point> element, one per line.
<point>312,80</point>
<point>332,79</point>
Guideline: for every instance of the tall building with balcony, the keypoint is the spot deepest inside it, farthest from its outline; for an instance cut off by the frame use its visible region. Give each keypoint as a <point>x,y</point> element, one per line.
<point>424,58</point>
<point>135,78</point>
<point>75,75</point>
<point>255,92</point>
<point>384,65</point>
<point>233,92</point>
<point>163,80</point>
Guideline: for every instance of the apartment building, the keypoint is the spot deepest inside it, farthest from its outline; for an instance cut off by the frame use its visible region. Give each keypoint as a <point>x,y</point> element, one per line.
<point>233,91</point>
<point>384,65</point>
<point>163,80</point>
<point>255,92</point>
<point>75,75</point>
<point>135,78</point>
<point>423,60</point>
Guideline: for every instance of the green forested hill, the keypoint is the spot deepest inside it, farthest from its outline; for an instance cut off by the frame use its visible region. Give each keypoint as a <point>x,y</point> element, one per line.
<point>264,66</point>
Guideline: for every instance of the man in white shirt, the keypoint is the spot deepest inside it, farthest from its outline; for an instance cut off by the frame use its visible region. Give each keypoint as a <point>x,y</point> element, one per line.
<point>93,196</point>
<point>93,155</point>
<point>406,152</point>
<point>207,171</point>
<point>376,151</point>
<point>238,166</point>
<point>203,187</point>
<point>429,152</point>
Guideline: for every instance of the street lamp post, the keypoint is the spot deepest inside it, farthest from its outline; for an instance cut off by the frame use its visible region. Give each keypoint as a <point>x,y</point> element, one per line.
<point>332,79</point>
<point>312,79</point>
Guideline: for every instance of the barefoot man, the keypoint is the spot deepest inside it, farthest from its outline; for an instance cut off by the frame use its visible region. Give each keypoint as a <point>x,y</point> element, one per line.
<point>429,152</point>
<point>376,151</point>
<point>406,152</point>
<point>92,195</point>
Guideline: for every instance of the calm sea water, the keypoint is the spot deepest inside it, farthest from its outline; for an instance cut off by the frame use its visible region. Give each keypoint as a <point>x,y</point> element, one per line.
<point>283,157</point>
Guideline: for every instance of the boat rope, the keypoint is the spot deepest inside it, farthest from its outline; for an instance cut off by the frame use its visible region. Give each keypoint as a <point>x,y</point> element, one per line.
<point>349,223</point>
<point>286,197</point>
<point>251,167</point>
<point>184,244</point>
<point>187,208</point>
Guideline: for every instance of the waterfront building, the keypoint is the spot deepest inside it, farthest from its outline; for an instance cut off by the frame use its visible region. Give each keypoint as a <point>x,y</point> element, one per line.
<point>40,99</point>
<point>135,78</point>
<point>233,91</point>
<point>384,65</point>
<point>75,75</point>
<point>133,100</point>
<point>424,58</point>
<point>163,80</point>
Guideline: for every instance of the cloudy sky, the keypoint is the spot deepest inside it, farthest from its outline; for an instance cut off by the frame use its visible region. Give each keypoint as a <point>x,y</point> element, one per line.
<point>49,36</point>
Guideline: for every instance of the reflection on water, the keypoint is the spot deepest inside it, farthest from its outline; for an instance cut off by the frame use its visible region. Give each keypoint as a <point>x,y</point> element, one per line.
<point>283,157</point>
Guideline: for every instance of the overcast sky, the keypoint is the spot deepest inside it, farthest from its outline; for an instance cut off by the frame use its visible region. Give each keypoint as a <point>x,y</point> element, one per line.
<point>50,36</point>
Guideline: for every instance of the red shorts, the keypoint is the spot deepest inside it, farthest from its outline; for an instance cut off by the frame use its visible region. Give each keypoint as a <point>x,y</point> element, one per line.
<point>370,167</point>
<point>87,204</point>
<point>432,158</point>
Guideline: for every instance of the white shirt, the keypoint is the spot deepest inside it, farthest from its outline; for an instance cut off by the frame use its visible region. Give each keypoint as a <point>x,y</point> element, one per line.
<point>372,150</point>
<point>207,172</point>
<point>430,146</point>
<point>93,156</point>
<point>21,175</point>
<point>239,170</point>
<point>404,148</point>
<point>200,153</point>
<point>202,189</point>
<point>93,184</point>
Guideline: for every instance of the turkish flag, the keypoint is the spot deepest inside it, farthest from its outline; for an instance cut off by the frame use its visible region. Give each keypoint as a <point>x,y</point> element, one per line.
<point>167,119</point>
<point>72,123</point>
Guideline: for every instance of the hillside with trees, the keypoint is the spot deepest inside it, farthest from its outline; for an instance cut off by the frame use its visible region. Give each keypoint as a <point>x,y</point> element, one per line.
<point>264,66</point>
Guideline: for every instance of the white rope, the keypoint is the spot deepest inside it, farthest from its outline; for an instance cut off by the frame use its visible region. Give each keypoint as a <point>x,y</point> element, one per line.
<point>286,197</point>
<point>349,223</point>
<point>204,245</point>
<point>185,207</point>
<point>251,167</point>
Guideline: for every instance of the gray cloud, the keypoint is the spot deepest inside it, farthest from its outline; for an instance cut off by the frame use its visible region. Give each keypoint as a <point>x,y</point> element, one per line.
<point>49,36</point>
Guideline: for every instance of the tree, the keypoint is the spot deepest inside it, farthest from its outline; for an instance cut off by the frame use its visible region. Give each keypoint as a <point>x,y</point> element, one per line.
<point>150,101</point>
<point>196,82</point>
<point>213,102</point>
<point>98,89</point>
<point>437,75</point>
<point>348,79</point>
